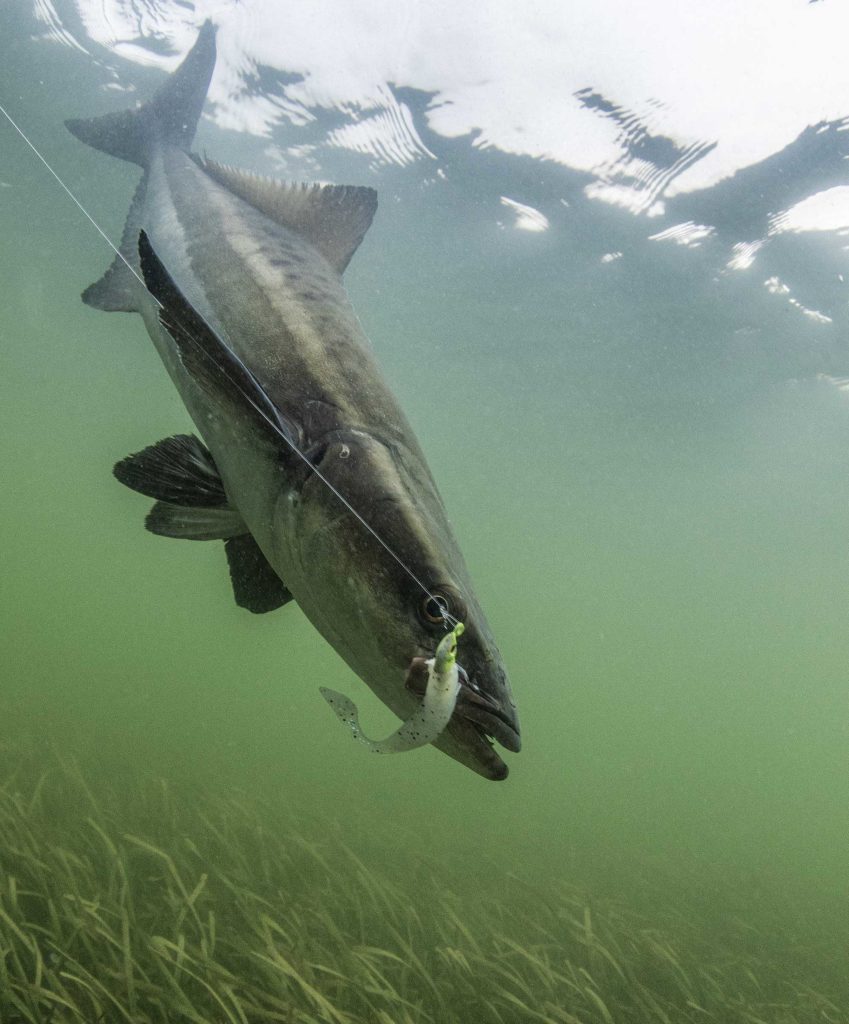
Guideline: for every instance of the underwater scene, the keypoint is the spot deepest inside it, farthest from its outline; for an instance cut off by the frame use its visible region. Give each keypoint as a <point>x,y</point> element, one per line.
<point>496,361</point>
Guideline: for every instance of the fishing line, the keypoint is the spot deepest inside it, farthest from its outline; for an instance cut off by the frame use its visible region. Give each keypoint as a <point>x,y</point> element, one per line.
<point>450,620</point>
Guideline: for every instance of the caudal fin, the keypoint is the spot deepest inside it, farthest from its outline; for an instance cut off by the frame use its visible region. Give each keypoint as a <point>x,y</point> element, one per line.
<point>169,118</point>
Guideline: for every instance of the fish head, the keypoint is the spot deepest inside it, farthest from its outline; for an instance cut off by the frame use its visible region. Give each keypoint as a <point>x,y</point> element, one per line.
<point>386,584</point>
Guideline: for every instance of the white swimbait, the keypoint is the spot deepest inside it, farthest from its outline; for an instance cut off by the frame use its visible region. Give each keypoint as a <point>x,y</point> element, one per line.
<point>428,721</point>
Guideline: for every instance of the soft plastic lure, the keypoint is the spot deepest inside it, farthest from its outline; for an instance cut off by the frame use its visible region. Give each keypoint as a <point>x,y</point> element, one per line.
<point>434,713</point>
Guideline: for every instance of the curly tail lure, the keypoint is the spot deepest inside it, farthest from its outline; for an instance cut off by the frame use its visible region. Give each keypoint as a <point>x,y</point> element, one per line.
<point>429,719</point>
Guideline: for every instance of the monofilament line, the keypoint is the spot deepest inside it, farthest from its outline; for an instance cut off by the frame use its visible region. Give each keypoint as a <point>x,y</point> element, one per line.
<point>340,497</point>
<point>65,188</point>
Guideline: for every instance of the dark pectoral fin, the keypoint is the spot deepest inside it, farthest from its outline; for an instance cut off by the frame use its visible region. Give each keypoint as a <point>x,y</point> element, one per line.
<point>212,365</point>
<point>256,586</point>
<point>179,470</point>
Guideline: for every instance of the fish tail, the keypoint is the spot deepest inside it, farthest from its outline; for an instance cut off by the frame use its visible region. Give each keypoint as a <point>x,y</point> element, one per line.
<point>169,118</point>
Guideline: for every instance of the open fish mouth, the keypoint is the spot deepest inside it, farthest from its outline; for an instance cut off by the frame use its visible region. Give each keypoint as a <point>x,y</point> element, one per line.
<point>487,714</point>
<point>478,722</point>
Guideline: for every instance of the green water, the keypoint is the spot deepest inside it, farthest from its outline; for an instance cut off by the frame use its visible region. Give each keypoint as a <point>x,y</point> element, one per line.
<point>654,504</point>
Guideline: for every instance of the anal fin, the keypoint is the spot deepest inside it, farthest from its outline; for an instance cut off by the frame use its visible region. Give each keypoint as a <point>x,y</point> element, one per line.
<point>115,292</point>
<point>118,290</point>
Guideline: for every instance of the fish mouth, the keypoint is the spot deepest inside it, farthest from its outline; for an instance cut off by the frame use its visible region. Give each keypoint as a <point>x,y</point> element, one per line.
<point>487,714</point>
<point>478,722</point>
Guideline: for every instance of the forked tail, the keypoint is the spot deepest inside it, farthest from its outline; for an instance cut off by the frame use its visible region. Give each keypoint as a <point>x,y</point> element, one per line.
<point>169,118</point>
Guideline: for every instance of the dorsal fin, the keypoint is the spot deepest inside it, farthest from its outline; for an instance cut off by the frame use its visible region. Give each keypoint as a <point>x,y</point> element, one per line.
<point>334,218</point>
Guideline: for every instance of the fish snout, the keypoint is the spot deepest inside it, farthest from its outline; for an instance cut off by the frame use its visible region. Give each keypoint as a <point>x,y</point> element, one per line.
<point>490,708</point>
<point>485,700</point>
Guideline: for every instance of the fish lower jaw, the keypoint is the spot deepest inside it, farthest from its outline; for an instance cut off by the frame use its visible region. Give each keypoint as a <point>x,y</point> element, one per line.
<point>488,716</point>
<point>467,742</point>
<point>474,708</point>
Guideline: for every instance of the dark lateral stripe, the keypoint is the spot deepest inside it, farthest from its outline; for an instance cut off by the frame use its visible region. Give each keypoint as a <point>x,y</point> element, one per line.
<point>211,363</point>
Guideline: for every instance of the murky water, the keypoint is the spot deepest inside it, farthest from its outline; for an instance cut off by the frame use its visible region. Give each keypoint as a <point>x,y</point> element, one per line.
<point>622,348</point>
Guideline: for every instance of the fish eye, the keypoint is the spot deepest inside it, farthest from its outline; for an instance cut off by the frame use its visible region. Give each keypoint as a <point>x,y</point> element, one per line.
<point>434,608</point>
